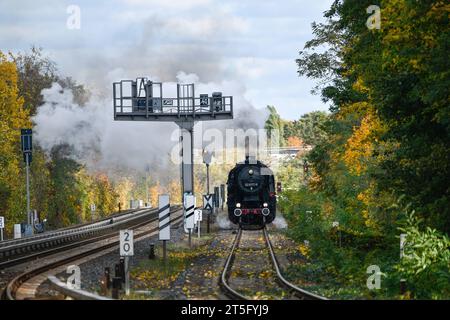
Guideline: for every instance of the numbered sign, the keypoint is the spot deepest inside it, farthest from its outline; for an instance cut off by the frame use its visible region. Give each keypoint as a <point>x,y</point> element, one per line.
<point>126,243</point>
<point>164,217</point>
<point>93,207</point>
<point>2,222</point>
<point>204,100</point>
<point>167,102</point>
<point>198,215</point>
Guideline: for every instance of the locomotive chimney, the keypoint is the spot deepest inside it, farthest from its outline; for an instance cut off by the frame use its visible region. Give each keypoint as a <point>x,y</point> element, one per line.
<point>250,154</point>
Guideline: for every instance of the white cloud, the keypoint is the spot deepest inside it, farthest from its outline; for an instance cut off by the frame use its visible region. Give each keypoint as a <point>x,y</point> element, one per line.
<point>169,4</point>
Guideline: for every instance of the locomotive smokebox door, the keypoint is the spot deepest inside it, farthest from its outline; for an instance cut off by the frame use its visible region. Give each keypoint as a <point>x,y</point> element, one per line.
<point>279,189</point>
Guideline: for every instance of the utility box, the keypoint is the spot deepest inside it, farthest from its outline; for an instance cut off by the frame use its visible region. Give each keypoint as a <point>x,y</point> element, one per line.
<point>17,231</point>
<point>136,204</point>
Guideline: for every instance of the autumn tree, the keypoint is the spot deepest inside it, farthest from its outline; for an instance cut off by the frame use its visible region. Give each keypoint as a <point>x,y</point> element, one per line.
<point>13,117</point>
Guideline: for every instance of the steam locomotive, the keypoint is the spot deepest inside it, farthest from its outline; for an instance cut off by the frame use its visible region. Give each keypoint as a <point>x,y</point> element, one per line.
<point>251,198</point>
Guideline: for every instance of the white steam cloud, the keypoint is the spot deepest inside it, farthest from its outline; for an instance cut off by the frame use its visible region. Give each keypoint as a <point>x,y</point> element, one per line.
<point>102,143</point>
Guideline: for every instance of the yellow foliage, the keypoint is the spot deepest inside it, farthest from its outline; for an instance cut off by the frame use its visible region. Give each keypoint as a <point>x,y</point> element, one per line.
<point>359,147</point>
<point>13,117</point>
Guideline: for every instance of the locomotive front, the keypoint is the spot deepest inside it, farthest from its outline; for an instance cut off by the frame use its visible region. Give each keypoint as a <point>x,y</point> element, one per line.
<point>251,195</point>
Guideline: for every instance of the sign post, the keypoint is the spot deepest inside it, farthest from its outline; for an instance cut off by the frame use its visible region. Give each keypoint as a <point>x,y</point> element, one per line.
<point>93,207</point>
<point>164,221</point>
<point>207,157</point>
<point>2,226</point>
<point>127,251</point>
<point>208,205</point>
<point>216,198</point>
<point>402,255</point>
<point>198,219</point>
<point>222,194</point>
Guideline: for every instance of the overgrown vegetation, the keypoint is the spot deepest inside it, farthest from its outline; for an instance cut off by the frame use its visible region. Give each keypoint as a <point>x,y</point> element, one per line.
<point>387,138</point>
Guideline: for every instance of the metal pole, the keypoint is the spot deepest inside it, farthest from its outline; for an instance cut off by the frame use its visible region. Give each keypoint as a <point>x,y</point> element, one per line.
<point>187,156</point>
<point>198,228</point>
<point>29,218</point>
<point>207,178</point>
<point>190,240</point>
<point>164,251</point>
<point>208,218</point>
<point>127,275</point>
<point>1,233</point>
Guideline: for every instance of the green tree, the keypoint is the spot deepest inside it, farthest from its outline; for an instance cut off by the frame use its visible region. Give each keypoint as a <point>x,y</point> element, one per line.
<point>274,125</point>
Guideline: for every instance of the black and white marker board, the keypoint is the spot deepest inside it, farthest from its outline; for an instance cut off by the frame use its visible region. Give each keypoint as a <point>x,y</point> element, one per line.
<point>164,216</point>
<point>189,207</point>
<point>126,243</point>
<point>208,201</point>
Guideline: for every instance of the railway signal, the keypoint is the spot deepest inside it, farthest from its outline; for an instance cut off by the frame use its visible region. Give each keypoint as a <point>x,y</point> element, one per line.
<point>126,251</point>
<point>164,221</point>
<point>207,157</point>
<point>279,188</point>
<point>26,141</point>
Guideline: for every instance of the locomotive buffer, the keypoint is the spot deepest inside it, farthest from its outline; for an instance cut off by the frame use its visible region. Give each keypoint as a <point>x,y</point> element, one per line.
<point>143,100</point>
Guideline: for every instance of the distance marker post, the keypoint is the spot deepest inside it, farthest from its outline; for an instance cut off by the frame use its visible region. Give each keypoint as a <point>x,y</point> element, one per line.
<point>127,251</point>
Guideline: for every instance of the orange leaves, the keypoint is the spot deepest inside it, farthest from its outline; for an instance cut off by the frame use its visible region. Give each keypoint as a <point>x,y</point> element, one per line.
<point>294,141</point>
<point>359,147</point>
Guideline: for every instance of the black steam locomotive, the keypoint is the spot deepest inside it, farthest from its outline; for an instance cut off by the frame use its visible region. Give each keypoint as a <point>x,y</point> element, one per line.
<point>251,195</point>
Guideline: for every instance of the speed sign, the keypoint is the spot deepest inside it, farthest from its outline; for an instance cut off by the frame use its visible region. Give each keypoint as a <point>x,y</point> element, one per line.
<point>126,243</point>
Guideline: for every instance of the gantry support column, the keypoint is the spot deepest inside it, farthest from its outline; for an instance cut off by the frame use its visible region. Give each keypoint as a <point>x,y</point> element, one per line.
<point>187,156</point>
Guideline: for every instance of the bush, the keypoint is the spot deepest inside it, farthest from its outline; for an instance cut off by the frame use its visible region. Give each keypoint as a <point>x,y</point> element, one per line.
<point>426,261</point>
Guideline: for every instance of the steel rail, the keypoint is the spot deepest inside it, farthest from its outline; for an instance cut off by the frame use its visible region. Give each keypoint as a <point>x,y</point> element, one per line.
<point>47,234</point>
<point>301,293</point>
<point>14,285</point>
<point>57,240</point>
<point>227,270</point>
<point>230,292</point>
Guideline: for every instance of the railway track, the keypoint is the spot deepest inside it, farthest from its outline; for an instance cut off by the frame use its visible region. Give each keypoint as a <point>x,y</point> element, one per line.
<point>76,251</point>
<point>18,251</point>
<point>234,293</point>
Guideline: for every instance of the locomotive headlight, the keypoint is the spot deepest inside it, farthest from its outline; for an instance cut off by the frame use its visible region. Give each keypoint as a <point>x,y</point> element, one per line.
<point>265,205</point>
<point>237,212</point>
<point>265,212</point>
<point>238,205</point>
<point>250,172</point>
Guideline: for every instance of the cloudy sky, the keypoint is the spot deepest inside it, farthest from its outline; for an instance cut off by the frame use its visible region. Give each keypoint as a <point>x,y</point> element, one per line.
<point>253,42</point>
